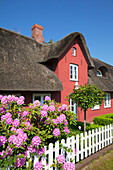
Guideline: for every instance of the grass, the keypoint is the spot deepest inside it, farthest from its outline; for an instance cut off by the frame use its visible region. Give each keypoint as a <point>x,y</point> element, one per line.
<point>103,163</point>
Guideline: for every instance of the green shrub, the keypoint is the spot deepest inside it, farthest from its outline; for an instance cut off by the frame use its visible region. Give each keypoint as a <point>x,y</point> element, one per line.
<point>102,120</point>
<point>92,126</point>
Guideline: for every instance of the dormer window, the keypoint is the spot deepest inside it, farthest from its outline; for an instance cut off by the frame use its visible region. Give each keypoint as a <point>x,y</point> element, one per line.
<point>74,51</point>
<point>99,73</point>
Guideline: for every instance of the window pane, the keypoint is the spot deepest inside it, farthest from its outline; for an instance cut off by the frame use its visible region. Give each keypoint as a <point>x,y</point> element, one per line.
<point>37,98</point>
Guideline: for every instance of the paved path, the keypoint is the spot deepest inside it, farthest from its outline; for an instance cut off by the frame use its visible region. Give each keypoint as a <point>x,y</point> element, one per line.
<point>88,160</point>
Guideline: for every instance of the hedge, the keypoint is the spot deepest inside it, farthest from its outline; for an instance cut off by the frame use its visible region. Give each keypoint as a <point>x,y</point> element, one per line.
<point>104,119</point>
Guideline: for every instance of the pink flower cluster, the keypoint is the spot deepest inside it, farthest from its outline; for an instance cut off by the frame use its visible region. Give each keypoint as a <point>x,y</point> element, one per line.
<point>8,99</point>
<point>16,123</point>
<point>66,130</point>
<point>47,98</point>
<point>7,152</point>
<point>27,125</point>
<point>41,151</point>
<point>7,118</point>
<point>25,113</point>
<point>18,139</point>
<point>36,141</point>
<point>51,108</point>
<point>43,113</point>
<point>45,107</point>
<point>56,132</point>
<point>66,166</point>
<point>32,149</point>
<point>60,159</point>
<point>69,166</point>
<point>38,166</point>
<point>37,103</point>
<point>3,140</point>
<point>64,107</point>
<point>20,162</point>
<point>61,118</point>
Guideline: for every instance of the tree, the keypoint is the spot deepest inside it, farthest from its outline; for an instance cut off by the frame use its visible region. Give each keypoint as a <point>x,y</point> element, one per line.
<point>87,96</point>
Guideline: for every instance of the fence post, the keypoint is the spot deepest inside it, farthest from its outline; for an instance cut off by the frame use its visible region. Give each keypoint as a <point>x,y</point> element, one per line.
<point>50,155</point>
<point>96,140</point>
<point>77,148</point>
<point>85,144</point>
<point>73,148</point>
<point>81,146</point>
<point>102,137</point>
<point>110,133</point>
<point>93,147</point>
<point>89,142</point>
<point>100,141</point>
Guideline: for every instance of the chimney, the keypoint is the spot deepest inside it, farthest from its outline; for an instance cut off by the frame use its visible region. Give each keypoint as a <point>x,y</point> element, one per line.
<point>37,33</point>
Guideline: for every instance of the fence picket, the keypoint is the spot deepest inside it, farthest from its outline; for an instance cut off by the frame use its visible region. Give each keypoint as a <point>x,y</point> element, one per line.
<point>93,146</point>
<point>50,155</point>
<point>85,144</point>
<point>89,142</point>
<point>81,146</point>
<point>77,147</point>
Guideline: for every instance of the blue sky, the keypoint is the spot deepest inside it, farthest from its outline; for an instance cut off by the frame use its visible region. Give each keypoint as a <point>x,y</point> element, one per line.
<point>92,18</point>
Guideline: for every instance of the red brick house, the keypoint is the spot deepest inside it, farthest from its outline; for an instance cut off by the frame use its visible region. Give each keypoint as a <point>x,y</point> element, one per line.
<point>33,68</point>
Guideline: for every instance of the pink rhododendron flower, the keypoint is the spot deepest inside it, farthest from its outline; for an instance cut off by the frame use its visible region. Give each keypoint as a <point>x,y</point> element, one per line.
<point>16,123</point>
<point>19,130</point>
<point>3,140</point>
<point>9,121</point>
<point>66,122</point>
<point>4,100</point>
<point>13,129</point>
<point>23,136</point>
<point>2,154</point>
<point>18,141</point>
<point>45,107</point>
<point>37,103</point>
<point>20,102</point>
<point>54,121</point>
<point>56,132</point>
<point>21,98</point>
<point>72,166</point>
<point>11,138</point>
<point>20,162</point>
<point>38,166</point>
<point>43,113</point>
<point>47,98</point>
<point>66,130</point>
<point>32,149</point>
<point>60,119</point>
<point>51,108</point>
<point>25,113</point>
<point>8,115</point>
<point>27,125</point>
<point>36,141</point>
<point>41,151</point>
<point>68,166</point>
<point>60,159</point>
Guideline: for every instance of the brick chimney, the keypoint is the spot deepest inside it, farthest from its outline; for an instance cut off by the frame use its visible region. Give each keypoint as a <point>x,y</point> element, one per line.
<point>37,33</point>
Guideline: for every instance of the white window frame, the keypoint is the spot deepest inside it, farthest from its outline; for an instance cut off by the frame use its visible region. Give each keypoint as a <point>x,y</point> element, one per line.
<point>99,73</point>
<point>74,51</point>
<point>72,104</point>
<point>96,107</point>
<point>107,100</point>
<point>73,66</point>
<point>42,97</point>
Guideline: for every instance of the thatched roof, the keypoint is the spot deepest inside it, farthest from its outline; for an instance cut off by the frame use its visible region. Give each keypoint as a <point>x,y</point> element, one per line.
<point>106,81</point>
<point>22,61</point>
<point>19,66</point>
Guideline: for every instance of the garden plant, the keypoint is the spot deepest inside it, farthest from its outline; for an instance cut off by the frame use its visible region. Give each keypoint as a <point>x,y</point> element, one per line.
<point>26,130</point>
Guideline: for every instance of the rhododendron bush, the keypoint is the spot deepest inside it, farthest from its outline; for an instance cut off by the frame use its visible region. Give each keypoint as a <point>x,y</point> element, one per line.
<point>30,129</point>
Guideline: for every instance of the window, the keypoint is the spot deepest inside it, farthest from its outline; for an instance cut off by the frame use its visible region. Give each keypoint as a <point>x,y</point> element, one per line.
<point>107,100</point>
<point>72,106</point>
<point>99,73</point>
<point>96,107</point>
<point>74,51</point>
<point>40,97</point>
<point>73,72</point>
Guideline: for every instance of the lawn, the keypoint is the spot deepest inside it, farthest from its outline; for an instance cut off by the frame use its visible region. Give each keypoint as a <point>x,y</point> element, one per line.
<point>103,163</point>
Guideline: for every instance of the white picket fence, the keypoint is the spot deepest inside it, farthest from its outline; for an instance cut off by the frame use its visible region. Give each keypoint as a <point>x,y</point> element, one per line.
<point>86,144</point>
